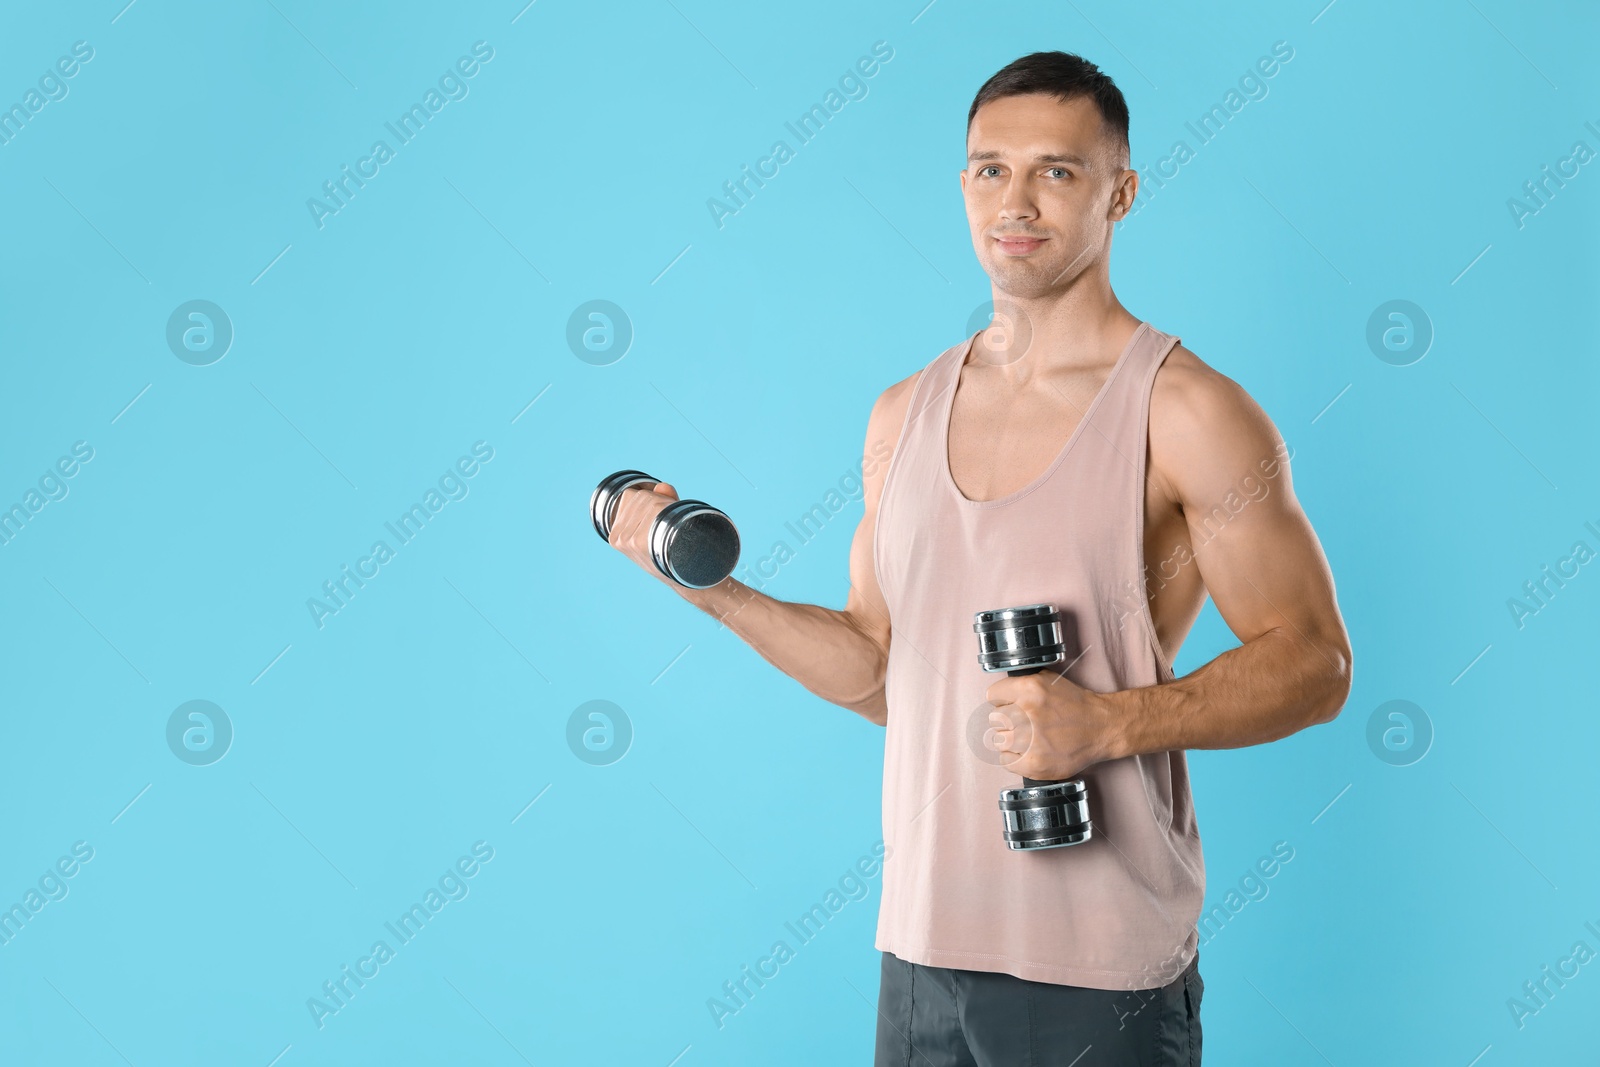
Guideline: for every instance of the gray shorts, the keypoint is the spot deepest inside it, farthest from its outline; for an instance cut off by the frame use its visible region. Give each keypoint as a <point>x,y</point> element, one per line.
<point>941,1017</point>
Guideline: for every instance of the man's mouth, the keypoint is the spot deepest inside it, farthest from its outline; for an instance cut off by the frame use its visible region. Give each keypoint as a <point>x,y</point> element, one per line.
<point>1018,246</point>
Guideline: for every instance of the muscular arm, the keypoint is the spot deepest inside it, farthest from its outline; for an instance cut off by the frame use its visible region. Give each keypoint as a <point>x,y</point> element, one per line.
<point>840,655</point>
<point>1263,567</point>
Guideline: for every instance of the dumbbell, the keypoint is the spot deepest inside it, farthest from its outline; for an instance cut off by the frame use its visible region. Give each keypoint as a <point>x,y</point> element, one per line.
<point>691,542</point>
<point>1038,815</point>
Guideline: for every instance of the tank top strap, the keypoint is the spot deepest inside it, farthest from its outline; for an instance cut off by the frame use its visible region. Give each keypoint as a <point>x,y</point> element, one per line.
<point>940,378</point>
<point>1120,415</point>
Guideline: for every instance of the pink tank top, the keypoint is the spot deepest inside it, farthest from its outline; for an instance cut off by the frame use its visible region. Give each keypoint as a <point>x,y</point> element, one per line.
<point>1118,911</point>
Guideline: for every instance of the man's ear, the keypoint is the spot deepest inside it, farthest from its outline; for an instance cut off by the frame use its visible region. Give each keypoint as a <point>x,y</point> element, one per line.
<point>1119,210</point>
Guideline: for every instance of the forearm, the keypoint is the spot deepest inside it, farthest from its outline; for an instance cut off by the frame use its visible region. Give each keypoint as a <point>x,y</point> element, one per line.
<point>822,649</point>
<point>1263,690</point>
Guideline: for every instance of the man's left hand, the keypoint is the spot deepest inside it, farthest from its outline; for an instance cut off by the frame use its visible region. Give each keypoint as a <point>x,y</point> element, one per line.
<point>1047,728</point>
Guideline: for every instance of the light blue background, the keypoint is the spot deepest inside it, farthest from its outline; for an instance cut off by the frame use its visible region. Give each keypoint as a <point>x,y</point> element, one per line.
<point>427,315</point>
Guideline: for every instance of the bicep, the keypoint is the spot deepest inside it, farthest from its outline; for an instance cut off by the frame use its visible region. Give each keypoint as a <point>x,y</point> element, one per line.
<point>1255,548</point>
<point>865,605</point>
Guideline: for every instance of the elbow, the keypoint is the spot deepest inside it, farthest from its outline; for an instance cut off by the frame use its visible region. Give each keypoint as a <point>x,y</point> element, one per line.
<point>1337,681</point>
<point>871,701</point>
<point>874,706</point>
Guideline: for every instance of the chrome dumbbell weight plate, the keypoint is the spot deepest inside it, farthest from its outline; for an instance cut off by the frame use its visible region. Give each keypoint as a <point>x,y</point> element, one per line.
<point>1046,815</point>
<point>694,544</point>
<point>1019,640</point>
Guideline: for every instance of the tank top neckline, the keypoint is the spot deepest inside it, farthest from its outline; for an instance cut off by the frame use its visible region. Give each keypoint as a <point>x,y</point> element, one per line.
<point>948,408</point>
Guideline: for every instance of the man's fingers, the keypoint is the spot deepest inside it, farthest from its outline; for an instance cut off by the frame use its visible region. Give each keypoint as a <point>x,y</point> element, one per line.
<point>1010,690</point>
<point>1000,693</point>
<point>637,508</point>
<point>624,522</point>
<point>1008,734</point>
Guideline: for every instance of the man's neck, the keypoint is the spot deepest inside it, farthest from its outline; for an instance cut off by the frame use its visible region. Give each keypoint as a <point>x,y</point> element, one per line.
<point>1073,329</point>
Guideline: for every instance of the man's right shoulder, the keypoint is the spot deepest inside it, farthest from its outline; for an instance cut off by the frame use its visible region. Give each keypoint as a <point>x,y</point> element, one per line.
<point>899,394</point>
<point>889,412</point>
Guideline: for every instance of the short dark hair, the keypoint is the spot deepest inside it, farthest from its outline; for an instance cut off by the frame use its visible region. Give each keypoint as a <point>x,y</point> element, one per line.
<point>1064,76</point>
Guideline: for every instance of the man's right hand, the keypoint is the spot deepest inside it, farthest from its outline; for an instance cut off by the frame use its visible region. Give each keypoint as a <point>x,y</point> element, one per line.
<point>637,508</point>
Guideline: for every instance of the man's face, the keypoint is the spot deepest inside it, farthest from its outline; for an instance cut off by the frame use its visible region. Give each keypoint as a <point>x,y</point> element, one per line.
<point>1043,172</point>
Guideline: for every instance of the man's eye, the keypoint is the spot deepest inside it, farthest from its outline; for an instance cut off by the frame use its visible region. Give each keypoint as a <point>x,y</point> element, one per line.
<point>985,170</point>
<point>1061,170</point>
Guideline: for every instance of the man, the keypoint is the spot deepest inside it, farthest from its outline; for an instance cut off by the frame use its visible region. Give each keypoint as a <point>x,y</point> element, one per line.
<point>1070,454</point>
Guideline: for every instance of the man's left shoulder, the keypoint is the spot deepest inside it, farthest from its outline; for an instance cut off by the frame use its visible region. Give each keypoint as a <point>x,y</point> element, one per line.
<point>1200,416</point>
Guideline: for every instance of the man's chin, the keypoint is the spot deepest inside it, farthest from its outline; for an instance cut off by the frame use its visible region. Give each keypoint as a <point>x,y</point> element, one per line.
<point>1020,281</point>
